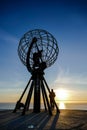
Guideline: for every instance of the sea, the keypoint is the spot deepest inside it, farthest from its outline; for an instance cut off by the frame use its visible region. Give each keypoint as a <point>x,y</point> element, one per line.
<point>71,106</point>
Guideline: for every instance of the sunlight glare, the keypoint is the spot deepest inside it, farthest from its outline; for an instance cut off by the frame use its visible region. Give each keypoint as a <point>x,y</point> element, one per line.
<point>61,94</point>
<point>61,105</point>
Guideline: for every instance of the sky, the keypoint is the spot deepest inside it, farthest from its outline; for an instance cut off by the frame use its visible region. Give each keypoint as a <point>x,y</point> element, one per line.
<point>67,21</point>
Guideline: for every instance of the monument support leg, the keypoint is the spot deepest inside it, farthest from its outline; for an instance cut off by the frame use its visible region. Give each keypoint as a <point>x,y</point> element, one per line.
<point>29,96</point>
<point>46,84</point>
<point>37,94</point>
<point>49,92</point>
<point>44,98</point>
<point>25,89</point>
<point>18,102</point>
<point>49,108</point>
<point>28,99</point>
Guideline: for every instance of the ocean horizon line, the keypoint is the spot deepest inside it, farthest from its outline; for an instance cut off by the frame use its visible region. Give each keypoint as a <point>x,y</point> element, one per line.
<point>73,106</point>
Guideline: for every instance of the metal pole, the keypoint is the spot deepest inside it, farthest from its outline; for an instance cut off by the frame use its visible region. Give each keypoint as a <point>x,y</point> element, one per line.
<point>43,97</point>
<point>49,108</point>
<point>18,102</point>
<point>36,94</point>
<point>28,99</point>
<point>46,84</point>
<point>25,89</point>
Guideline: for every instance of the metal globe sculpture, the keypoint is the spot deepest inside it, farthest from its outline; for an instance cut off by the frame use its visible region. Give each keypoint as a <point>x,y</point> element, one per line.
<point>38,49</point>
<point>45,42</point>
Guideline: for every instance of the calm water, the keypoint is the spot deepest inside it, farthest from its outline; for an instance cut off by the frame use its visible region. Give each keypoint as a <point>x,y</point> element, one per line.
<point>74,106</point>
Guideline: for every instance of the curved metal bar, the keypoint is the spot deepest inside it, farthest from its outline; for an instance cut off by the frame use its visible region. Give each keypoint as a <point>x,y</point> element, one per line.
<point>28,54</point>
<point>45,42</point>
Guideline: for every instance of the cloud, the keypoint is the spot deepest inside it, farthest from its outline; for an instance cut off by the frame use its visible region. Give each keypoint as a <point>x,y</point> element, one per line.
<point>12,85</point>
<point>5,36</point>
<point>68,80</point>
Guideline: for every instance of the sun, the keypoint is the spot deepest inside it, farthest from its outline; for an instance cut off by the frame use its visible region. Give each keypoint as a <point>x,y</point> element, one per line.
<point>61,94</point>
<point>61,105</point>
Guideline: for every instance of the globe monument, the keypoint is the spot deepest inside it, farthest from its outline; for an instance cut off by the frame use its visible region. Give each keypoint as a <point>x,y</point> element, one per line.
<point>37,50</point>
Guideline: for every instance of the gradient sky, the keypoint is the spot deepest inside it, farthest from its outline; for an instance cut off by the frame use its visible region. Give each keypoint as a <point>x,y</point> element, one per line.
<point>67,21</point>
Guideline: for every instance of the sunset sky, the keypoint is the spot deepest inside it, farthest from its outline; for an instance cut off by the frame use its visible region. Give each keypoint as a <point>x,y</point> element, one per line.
<point>67,21</point>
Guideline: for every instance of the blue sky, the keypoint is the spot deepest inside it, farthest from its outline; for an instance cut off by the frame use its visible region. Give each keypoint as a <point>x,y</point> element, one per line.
<point>67,21</point>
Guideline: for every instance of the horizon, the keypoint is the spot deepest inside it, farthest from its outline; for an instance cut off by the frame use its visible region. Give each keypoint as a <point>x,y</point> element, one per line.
<point>61,106</point>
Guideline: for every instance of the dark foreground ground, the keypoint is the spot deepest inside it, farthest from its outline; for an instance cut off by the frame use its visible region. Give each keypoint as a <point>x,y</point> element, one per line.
<point>66,120</point>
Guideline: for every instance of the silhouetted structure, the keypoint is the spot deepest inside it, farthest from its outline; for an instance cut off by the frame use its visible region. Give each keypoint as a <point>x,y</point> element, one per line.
<point>37,49</point>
